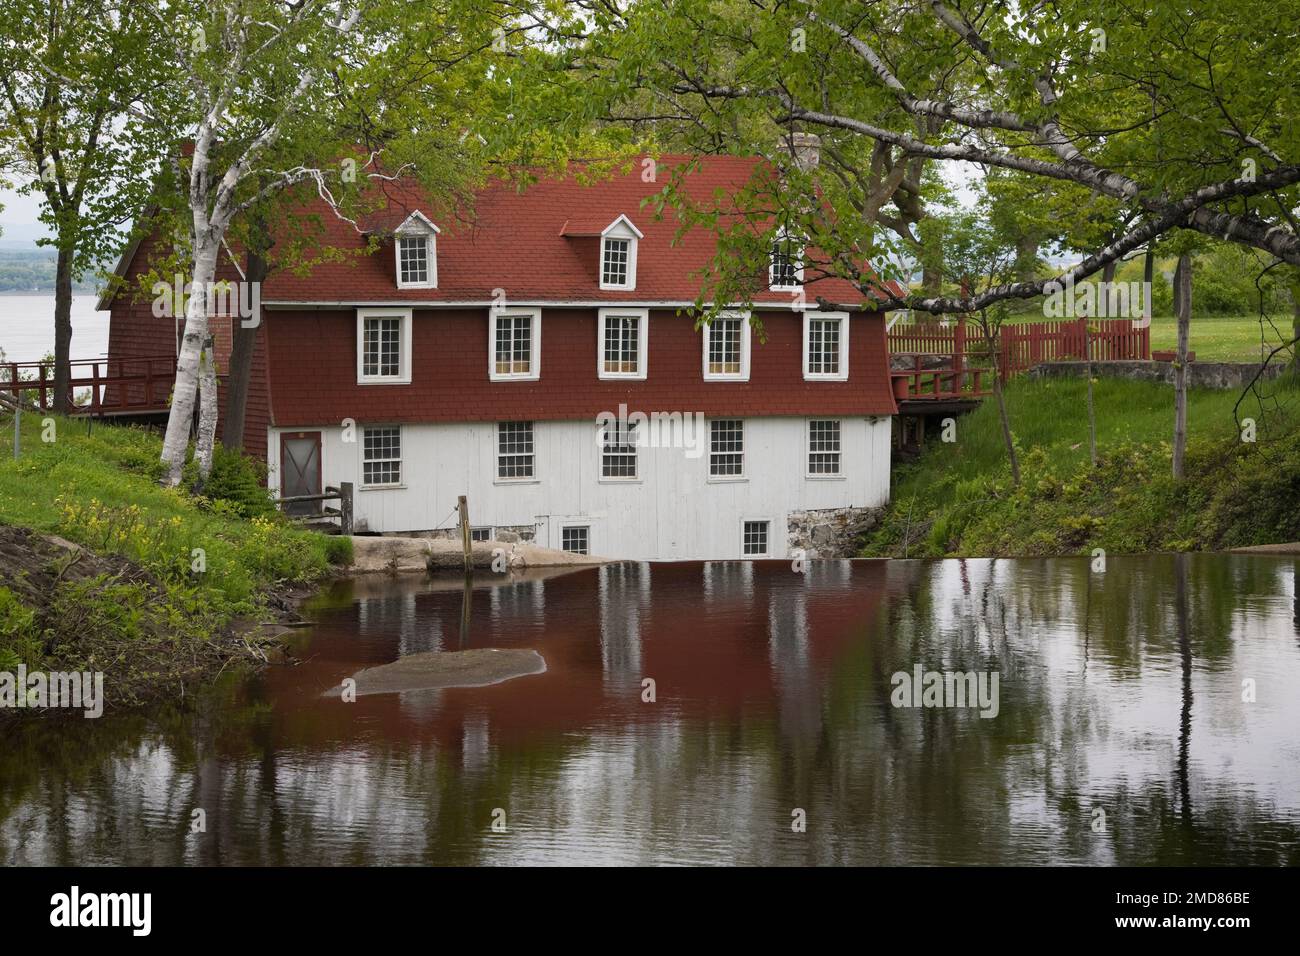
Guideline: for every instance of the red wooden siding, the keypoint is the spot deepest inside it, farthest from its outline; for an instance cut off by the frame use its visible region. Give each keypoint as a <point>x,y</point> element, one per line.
<point>134,334</point>
<point>313,369</point>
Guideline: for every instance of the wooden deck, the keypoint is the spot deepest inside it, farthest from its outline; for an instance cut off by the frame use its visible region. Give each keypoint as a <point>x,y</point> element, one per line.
<point>99,387</point>
<point>935,365</point>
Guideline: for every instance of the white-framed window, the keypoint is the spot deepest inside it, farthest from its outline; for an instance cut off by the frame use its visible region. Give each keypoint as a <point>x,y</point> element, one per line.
<point>754,538</point>
<point>617,450</point>
<point>480,534</point>
<point>516,459</point>
<point>824,448</point>
<point>618,242</point>
<point>381,456</point>
<point>576,539</point>
<point>727,448</point>
<point>415,245</point>
<point>514,344</point>
<point>785,263</point>
<point>826,346</point>
<point>622,342</point>
<point>726,348</point>
<point>383,346</point>
<point>614,261</point>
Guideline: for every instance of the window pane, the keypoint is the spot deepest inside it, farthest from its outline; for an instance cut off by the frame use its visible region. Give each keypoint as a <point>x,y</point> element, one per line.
<point>724,346</point>
<point>381,346</point>
<point>514,344</point>
<point>575,540</point>
<point>480,534</point>
<point>824,346</point>
<point>785,264</point>
<point>824,448</point>
<point>613,268</point>
<point>515,450</point>
<point>622,343</point>
<point>381,460</point>
<point>618,450</point>
<point>755,538</point>
<point>727,447</point>
<point>413,260</point>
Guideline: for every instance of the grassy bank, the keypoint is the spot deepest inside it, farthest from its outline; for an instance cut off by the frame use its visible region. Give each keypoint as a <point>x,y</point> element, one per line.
<point>958,499</point>
<point>168,580</point>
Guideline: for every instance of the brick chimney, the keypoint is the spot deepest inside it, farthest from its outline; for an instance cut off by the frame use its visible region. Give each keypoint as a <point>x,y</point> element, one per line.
<point>804,148</point>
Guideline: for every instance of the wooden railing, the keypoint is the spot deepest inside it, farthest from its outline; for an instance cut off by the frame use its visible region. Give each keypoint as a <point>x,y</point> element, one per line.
<point>343,493</point>
<point>936,384</point>
<point>106,386</point>
<point>1021,346</point>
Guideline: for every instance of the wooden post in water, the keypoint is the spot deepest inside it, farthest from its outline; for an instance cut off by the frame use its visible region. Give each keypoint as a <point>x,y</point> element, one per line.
<point>345,507</point>
<point>462,504</point>
<point>466,602</point>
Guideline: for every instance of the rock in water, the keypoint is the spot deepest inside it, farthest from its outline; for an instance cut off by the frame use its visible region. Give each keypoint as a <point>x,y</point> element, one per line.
<point>435,669</point>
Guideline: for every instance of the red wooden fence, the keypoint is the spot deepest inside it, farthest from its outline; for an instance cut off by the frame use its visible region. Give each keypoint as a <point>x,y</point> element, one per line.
<point>1026,344</point>
<point>115,386</point>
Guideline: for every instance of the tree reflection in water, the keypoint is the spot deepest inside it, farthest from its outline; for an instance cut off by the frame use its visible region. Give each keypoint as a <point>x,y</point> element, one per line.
<point>1120,690</point>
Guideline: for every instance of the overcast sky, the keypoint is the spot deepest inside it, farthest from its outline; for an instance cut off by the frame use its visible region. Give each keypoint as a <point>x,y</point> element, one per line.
<point>20,217</point>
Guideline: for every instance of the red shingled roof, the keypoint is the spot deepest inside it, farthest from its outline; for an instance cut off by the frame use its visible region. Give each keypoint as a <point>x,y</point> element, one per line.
<point>540,245</point>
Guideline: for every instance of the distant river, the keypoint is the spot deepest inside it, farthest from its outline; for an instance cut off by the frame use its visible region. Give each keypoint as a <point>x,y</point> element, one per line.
<point>27,327</point>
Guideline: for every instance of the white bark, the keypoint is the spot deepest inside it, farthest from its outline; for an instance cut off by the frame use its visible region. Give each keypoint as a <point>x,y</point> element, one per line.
<point>208,410</point>
<point>177,438</point>
<point>213,205</point>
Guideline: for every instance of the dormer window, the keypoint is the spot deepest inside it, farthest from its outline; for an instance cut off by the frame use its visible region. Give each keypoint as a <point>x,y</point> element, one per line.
<point>415,244</point>
<point>785,269</point>
<point>613,263</point>
<point>618,243</point>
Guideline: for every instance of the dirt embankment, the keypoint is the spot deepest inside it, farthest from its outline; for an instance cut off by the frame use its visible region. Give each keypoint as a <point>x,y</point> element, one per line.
<point>81,611</point>
<point>33,565</point>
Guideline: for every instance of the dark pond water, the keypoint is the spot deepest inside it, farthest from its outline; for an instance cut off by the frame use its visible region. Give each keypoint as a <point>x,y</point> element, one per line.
<point>1121,733</point>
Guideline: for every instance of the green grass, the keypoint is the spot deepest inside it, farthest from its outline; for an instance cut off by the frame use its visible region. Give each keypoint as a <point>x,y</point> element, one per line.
<point>1228,338</point>
<point>207,564</point>
<point>959,499</point>
<point>100,490</point>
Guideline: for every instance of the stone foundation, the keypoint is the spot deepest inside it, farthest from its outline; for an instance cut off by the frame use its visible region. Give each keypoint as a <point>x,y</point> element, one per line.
<point>508,534</point>
<point>830,532</point>
<point>1200,374</point>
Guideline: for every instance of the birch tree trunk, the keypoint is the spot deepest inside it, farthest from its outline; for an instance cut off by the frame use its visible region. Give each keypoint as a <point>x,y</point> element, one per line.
<point>1183,302</point>
<point>203,445</point>
<point>177,438</point>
